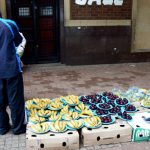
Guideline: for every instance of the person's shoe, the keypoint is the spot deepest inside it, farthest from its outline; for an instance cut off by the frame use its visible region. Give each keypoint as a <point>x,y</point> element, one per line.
<point>4,131</point>
<point>20,132</point>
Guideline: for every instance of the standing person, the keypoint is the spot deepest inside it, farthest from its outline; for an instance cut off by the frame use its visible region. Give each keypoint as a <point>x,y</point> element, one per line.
<point>11,80</point>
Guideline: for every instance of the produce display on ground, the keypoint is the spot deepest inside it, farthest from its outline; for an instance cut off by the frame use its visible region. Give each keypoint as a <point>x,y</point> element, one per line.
<point>133,94</point>
<point>92,111</point>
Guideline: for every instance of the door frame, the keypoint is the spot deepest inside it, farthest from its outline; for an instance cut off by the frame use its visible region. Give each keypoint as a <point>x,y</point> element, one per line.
<point>9,9</point>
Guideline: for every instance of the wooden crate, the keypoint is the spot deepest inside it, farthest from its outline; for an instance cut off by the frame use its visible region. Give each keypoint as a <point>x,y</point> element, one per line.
<point>107,134</point>
<point>52,141</point>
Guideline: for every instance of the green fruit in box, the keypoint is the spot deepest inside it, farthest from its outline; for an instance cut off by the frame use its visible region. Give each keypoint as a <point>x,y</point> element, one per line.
<point>146,103</point>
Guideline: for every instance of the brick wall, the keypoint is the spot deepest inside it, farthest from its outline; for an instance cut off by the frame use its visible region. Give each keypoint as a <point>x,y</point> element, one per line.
<point>101,12</point>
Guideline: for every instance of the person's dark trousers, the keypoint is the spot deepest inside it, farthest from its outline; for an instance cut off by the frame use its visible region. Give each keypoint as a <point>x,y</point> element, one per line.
<point>12,94</point>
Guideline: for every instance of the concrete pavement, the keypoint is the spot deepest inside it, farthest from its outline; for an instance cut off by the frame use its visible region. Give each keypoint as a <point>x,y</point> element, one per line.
<point>54,80</point>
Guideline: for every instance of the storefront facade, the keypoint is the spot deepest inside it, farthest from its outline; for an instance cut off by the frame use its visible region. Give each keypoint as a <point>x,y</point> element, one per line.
<point>77,32</point>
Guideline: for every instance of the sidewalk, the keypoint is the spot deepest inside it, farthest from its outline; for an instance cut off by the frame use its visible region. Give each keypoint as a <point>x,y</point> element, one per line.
<point>54,80</point>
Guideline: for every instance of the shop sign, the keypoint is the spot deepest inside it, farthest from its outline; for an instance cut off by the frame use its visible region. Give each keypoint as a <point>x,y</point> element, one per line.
<point>100,2</point>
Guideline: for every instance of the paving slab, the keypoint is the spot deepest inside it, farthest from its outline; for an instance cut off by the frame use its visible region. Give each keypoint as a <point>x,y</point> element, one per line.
<point>54,80</point>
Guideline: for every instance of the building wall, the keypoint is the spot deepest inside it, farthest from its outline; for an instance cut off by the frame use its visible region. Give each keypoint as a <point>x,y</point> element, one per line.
<point>93,38</point>
<point>99,12</point>
<point>96,39</point>
<point>141,26</point>
<point>3,8</point>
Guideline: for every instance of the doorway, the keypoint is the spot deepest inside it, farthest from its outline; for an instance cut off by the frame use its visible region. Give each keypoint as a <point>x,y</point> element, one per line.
<point>141,26</point>
<point>38,20</point>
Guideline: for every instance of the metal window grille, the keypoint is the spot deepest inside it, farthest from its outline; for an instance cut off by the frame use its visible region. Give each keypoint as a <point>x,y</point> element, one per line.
<point>46,11</point>
<point>24,11</point>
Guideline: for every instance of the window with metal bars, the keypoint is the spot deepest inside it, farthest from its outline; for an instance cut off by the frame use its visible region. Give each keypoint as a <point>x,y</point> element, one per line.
<point>46,11</point>
<point>24,11</point>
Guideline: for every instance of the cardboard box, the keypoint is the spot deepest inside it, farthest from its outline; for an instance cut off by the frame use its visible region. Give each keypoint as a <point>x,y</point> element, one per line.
<point>52,141</point>
<point>119,132</point>
<point>140,128</point>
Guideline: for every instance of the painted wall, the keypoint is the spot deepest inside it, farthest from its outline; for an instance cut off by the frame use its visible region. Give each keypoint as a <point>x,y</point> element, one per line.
<point>3,8</point>
<point>92,40</point>
<point>142,27</point>
<point>96,40</point>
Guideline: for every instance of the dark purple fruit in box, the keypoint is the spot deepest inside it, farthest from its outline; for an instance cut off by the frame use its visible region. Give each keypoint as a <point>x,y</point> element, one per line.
<point>121,101</point>
<point>112,103</point>
<point>128,117</point>
<point>86,102</point>
<point>119,113</point>
<point>105,112</point>
<point>83,99</point>
<point>112,97</point>
<point>105,106</point>
<point>100,99</point>
<point>115,110</point>
<point>104,93</point>
<point>130,108</point>
<point>93,107</point>
<point>104,99</point>
<point>106,119</point>
<point>91,96</point>
<point>107,94</point>
<point>124,115</point>
<point>96,101</point>
<point>101,112</point>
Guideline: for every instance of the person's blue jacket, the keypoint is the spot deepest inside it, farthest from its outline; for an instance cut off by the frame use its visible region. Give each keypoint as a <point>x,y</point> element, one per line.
<point>10,38</point>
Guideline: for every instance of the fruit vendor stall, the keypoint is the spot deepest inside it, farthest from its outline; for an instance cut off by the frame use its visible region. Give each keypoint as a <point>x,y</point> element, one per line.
<point>101,118</point>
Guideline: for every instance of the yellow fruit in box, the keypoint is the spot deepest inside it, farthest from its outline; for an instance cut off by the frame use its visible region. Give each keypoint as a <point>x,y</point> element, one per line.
<point>56,105</point>
<point>67,117</point>
<point>37,119</point>
<point>40,128</point>
<point>58,126</point>
<point>29,105</point>
<point>81,107</point>
<point>86,113</point>
<point>71,99</point>
<point>55,117</point>
<point>44,113</point>
<point>65,110</point>
<point>92,121</point>
<point>75,124</point>
<point>33,112</point>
